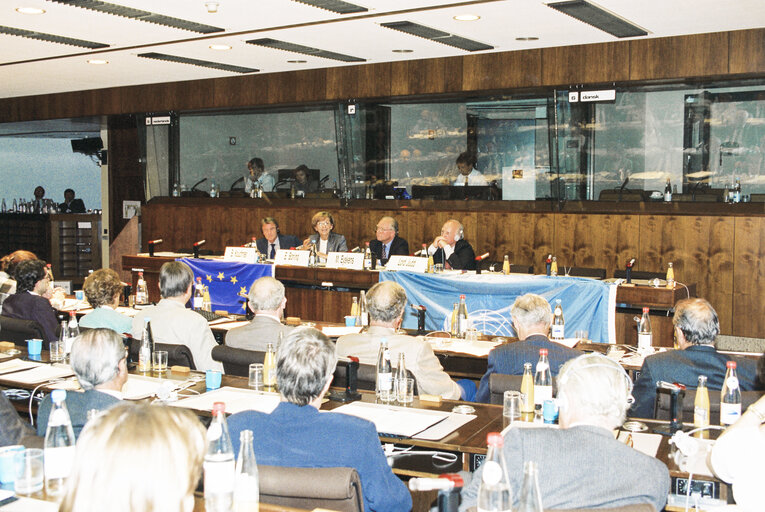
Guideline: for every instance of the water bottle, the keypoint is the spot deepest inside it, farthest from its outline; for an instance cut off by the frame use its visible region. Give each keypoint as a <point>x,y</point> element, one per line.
<point>176,190</point>
<point>506,265</point>
<point>367,258</point>
<point>384,381</point>
<point>530,499</point>
<point>196,302</point>
<point>558,323</point>
<point>144,353</point>
<point>462,318</point>
<point>542,381</point>
<point>363,311</point>
<point>269,366</point>
<point>246,488</point>
<point>3,208</point>
<point>141,292</point>
<point>645,333</point>
<point>219,467</point>
<point>730,396</point>
<point>59,445</point>
<point>701,405</point>
<point>670,276</point>
<point>399,377</point>
<point>213,189</point>
<point>494,492</point>
<point>72,331</point>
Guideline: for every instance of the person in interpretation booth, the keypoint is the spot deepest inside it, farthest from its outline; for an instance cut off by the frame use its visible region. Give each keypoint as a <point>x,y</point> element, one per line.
<point>388,243</point>
<point>451,249</point>
<point>266,299</point>
<point>469,175</point>
<point>257,175</point>
<point>296,434</point>
<point>273,239</point>
<point>71,204</point>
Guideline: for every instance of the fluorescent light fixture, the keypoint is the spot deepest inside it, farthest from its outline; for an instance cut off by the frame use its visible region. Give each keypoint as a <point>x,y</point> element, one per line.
<point>598,17</point>
<point>467,17</point>
<point>305,50</point>
<point>437,36</point>
<point>97,62</point>
<point>30,10</point>
<point>527,38</point>
<point>402,50</point>
<point>297,61</point>
<point>197,62</point>
<point>220,47</point>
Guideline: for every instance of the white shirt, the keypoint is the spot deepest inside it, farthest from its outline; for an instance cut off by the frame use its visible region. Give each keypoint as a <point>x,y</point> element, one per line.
<point>475,179</point>
<point>448,251</point>
<point>265,179</point>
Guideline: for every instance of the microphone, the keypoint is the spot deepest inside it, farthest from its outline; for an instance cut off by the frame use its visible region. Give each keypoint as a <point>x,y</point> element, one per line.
<point>482,256</point>
<point>155,242</point>
<point>241,179</point>
<point>323,180</point>
<point>196,248</point>
<point>628,272</point>
<point>630,263</point>
<point>419,253</point>
<point>356,249</point>
<point>442,483</point>
<point>201,242</point>
<point>624,184</point>
<point>198,183</point>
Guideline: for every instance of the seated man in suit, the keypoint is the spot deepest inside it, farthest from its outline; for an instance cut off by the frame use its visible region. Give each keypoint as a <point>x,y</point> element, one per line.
<point>388,243</point>
<point>296,434</point>
<point>28,302</point>
<point>274,240</point>
<point>70,204</point>
<point>99,360</point>
<point>696,328</point>
<point>532,317</point>
<point>172,323</point>
<point>451,249</point>
<point>386,302</point>
<point>593,396</point>
<point>266,299</point>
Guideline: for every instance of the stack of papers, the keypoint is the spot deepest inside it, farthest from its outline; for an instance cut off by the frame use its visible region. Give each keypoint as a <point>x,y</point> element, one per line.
<point>40,373</point>
<point>236,400</point>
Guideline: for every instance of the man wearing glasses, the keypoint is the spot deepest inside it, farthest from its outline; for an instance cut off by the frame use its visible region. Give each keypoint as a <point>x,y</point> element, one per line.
<point>388,243</point>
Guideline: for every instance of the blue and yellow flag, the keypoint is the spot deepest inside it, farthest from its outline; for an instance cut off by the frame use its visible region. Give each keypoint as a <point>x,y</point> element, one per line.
<point>226,280</point>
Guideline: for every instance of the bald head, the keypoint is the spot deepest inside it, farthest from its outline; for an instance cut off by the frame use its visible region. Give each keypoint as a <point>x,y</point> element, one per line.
<point>452,231</point>
<point>267,296</point>
<point>386,302</point>
<point>697,322</point>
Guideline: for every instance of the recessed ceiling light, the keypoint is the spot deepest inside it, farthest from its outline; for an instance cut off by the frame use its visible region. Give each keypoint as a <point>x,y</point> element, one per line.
<point>297,61</point>
<point>97,62</point>
<point>467,17</point>
<point>220,47</point>
<point>30,10</point>
<point>528,38</point>
<point>212,7</point>
<point>402,50</point>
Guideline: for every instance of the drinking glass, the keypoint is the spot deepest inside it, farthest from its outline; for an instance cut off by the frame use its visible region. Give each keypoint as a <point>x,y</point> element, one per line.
<point>159,361</point>
<point>256,376</point>
<point>511,407</point>
<point>56,351</point>
<point>29,471</point>
<point>213,379</point>
<point>405,390</point>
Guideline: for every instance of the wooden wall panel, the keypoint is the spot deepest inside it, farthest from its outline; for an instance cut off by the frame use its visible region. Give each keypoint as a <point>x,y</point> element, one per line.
<point>364,81</point>
<point>747,51</point>
<point>679,57</point>
<point>502,70</point>
<point>593,63</point>
<point>749,277</point>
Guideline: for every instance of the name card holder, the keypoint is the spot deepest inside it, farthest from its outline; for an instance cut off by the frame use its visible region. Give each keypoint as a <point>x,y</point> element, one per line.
<point>349,260</point>
<point>407,263</point>
<point>243,254</point>
<point>291,257</point>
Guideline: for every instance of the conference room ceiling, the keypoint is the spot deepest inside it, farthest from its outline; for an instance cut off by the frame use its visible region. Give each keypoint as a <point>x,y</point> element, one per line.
<point>149,41</point>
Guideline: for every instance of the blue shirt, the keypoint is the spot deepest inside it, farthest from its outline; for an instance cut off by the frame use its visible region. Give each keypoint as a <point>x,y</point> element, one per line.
<point>107,318</point>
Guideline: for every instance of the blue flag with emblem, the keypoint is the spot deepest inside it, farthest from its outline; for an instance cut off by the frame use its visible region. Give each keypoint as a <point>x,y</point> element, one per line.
<point>226,280</point>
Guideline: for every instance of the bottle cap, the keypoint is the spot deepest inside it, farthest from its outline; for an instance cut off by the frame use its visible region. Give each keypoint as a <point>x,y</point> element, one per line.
<point>58,396</point>
<point>494,439</point>
<point>645,310</point>
<point>462,297</point>
<point>542,351</point>
<point>702,379</point>
<point>219,408</point>
<point>730,364</point>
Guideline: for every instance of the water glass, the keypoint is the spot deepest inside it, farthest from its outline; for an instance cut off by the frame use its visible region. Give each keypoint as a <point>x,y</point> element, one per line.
<point>57,351</point>
<point>29,471</point>
<point>471,334</point>
<point>405,390</point>
<point>438,268</point>
<point>256,376</point>
<point>511,406</point>
<point>159,361</point>
<point>581,334</point>
<point>8,456</point>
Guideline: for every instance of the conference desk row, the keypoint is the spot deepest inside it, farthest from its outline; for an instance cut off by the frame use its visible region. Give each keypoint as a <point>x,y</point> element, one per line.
<point>324,294</point>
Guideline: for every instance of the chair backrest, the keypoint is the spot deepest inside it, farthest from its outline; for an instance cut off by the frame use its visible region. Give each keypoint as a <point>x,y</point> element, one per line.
<point>366,377</point>
<point>641,507</point>
<point>638,274</point>
<point>309,488</point>
<point>19,331</point>
<point>179,355</point>
<point>597,273</point>
<point>499,383</point>
<point>236,361</point>
<point>661,404</point>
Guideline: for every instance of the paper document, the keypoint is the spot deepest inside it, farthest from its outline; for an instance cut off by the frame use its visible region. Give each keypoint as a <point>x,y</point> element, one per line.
<point>643,442</point>
<point>40,374</point>
<point>15,365</point>
<point>334,331</point>
<point>236,400</point>
<point>459,346</point>
<point>30,505</point>
<point>227,324</point>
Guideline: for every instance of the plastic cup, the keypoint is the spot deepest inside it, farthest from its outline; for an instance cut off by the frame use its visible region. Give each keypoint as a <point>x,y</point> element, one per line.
<point>8,456</point>
<point>256,376</point>
<point>212,379</point>
<point>159,360</point>
<point>34,347</point>
<point>79,295</point>
<point>549,411</point>
<point>405,390</point>
<point>350,321</point>
<point>29,471</point>
<point>511,406</point>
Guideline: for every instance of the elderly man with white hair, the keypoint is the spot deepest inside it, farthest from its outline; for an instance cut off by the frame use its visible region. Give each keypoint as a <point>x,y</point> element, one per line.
<point>581,464</point>
<point>99,361</point>
<point>451,248</point>
<point>266,299</point>
<point>532,317</point>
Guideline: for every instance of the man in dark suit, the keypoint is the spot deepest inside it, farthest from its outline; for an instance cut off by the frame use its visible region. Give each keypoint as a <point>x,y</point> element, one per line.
<point>274,240</point>
<point>388,243</point>
<point>451,249</point>
<point>696,328</point>
<point>28,302</point>
<point>70,204</point>
<point>532,316</point>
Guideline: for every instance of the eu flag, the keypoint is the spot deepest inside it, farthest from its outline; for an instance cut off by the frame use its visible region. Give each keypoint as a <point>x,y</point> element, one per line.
<point>226,279</point>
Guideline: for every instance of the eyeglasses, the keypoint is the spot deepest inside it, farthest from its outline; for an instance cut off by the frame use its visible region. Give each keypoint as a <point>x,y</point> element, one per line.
<point>383,228</point>
<point>323,224</point>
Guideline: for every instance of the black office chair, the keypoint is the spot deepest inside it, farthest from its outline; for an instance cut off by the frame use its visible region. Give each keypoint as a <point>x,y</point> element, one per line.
<point>499,383</point>
<point>661,404</point>
<point>637,274</point>
<point>311,488</point>
<point>367,376</point>
<point>621,195</point>
<point>236,361</point>
<point>596,273</point>
<point>19,331</point>
<point>177,355</point>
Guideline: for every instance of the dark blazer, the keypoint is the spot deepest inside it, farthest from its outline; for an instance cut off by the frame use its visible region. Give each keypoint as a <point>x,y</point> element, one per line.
<point>463,257</point>
<point>78,404</point>
<point>684,367</point>
<point>285,242</point>
<point>12,428</point>
<point>76,206</point>
<point>508,359</point>
<point>28,306</point>
<point>398,246</point>
<point>335,242</point>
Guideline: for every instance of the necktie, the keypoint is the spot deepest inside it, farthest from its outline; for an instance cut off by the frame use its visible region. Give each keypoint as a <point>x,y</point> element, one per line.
<point>385,252</point>
<point>466,181</point>
<point>272,254</point>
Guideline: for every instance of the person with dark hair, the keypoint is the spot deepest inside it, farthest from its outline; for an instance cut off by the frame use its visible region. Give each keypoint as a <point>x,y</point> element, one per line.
<point>102,289</point>
<point>257,176</point>
<point>303,182</point>
<point>28,302</point>
<point>469,175</point>
<point>7,265</point>
<point>387,242</point>
<point>70,204</point>
<point>696,329</point>
<point>274,240</point>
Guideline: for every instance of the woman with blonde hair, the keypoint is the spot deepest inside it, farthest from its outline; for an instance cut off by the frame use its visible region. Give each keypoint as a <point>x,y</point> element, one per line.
<point>102,289</point>
<point>325,240</point>
<point>137,458</point>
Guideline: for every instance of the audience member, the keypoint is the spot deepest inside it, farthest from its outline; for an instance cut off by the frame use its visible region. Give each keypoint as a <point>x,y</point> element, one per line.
<point>13,430</point>
<point>137,457</point>
<point>70,204</point>
<point>296,434</point>
<point>469,175</point>
<point>7,266</point>
<point>451,249</point>
<point>258,177</point>
<point>99,361</point>
<point>274,240</point>
<point>29,303</point>
<point>582,464</point>
<point>388,243</point>
<point>696,328</point>
<point>325,240</point>
<point>103,289</point>
<point>386,303</point>
<point>172,323</point>
<point>267,301</point>
<point>532,316</point>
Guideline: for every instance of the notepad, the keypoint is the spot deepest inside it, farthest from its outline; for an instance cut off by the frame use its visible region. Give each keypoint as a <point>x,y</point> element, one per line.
<point>236,400</point>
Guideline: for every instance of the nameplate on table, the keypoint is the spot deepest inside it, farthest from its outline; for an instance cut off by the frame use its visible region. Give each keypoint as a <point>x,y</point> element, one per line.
<point>349,260</point>
<point>243,254</point>
<point>408,263</point>
<point>291,257</point>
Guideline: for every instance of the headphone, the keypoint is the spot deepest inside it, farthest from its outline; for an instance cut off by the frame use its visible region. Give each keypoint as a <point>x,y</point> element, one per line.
<point>577,366</point>
<point>459,235</point>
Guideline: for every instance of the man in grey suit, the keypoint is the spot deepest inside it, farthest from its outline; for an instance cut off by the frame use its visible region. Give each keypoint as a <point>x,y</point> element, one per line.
<point>267,301</point>
<point>581,464</point>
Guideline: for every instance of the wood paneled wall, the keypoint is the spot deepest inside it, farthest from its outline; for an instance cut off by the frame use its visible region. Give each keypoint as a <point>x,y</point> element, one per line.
<point>721,253</point>
<point>692,57</point>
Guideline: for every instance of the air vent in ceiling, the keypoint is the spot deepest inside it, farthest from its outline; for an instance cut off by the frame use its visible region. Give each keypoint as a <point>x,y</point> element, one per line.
<point>140,15</point>
<point>51,38</point>
<point>598,17</point>
<point>337,6</point>
<point>197,62</point>
<point>437,36</point>
<point>305,50</point>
